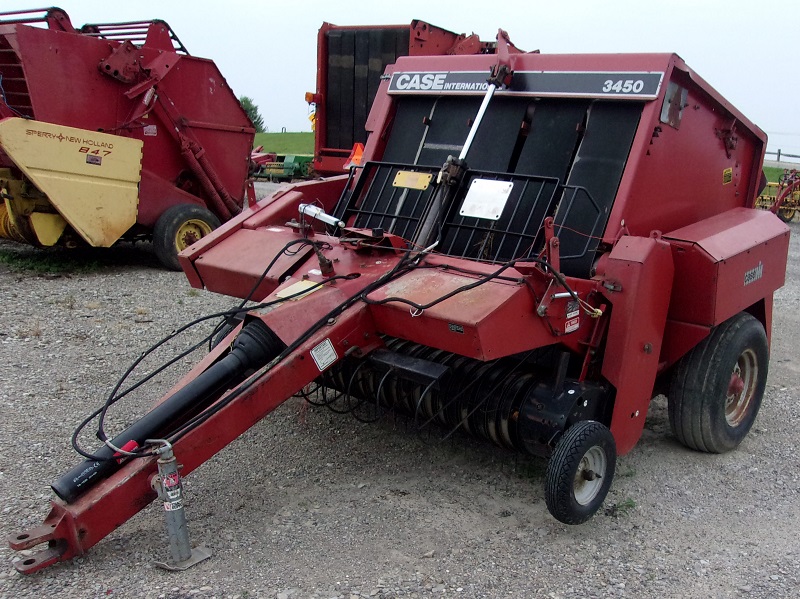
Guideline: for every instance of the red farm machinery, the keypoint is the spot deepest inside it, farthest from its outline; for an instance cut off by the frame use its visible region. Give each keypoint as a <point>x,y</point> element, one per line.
<point>114,131</point>
<point>533,247</point>
<point>350,63</point>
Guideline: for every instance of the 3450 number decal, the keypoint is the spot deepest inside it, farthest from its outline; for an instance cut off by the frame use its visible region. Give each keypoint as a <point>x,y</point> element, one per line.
<point>628,86</point>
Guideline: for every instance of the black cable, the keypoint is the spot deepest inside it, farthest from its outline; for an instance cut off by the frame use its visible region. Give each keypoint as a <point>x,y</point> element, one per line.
<point>285,250</point>
<point>114,396</point>
<point>484,279</point>
<point>403,265</point>
<point>397,270</point>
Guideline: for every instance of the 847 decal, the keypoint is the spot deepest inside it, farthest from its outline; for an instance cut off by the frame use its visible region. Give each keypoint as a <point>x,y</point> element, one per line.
<point>628,86</point>
<point>94,156</point>
<point>88,150</point>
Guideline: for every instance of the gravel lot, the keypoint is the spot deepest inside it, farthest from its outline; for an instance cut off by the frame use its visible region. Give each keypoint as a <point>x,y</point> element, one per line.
<point>316,505</point>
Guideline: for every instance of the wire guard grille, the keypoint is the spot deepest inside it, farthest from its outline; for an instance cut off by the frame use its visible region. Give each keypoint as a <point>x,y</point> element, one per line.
<point>375,203</point>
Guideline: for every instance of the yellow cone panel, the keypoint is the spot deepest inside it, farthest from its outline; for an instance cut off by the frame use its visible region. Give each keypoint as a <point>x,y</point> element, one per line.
<point>91,178</point>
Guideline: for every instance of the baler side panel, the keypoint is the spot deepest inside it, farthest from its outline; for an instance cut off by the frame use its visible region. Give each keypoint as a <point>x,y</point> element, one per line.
<point>214,118</point>
<point>644,270</point>
<point>689,173</point>
<point>728,263</point>
<point>90,178</point>
<point>64,82</point>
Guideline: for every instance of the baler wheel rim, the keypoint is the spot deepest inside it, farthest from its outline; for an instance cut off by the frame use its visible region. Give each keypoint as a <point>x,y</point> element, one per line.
<point>190,232</point>
<point>589,476</point>
<point>742,388</point>
<point>717,388</point>
<point>580,472</point>
<point>179,227</point>
<point>786,214</point>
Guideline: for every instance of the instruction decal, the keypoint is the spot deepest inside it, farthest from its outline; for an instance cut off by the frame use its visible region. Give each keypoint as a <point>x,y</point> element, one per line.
<point>572,324</point>
<point>727,176</point>
<point>324,354</point>
<point>573,309</point>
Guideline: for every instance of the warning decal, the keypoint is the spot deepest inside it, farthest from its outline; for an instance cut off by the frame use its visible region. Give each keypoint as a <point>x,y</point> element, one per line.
<point>324,354</point>
<point>572,325</point>
<point>727,176</point>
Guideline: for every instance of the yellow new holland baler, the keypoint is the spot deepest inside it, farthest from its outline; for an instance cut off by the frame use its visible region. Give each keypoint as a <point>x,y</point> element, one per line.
<point>114,132</point>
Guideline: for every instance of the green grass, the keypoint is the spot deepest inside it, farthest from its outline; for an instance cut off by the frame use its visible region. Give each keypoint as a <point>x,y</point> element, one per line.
<point>623,508</point>
<point>48,261</point>
<point>286,143</point>
<point>773,173</point>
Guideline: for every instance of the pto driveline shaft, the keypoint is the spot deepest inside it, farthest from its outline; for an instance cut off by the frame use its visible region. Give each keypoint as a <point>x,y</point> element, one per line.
<point>255,346</point>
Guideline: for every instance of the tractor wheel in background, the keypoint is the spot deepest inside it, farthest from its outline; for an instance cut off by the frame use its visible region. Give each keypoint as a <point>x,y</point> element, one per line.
<point>716,389</point>
<point>178,228</point>
<point>580,472</point>
<point>786,214</point>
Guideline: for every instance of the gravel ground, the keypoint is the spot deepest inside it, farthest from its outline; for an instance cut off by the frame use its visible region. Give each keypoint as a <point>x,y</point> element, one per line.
<point>309,504</point>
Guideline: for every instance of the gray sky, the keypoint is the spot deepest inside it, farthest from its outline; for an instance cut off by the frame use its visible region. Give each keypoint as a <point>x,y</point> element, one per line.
<point>267,50</point>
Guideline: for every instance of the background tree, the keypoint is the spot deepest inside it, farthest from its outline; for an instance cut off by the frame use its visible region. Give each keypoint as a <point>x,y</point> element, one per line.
<point>252,111</point>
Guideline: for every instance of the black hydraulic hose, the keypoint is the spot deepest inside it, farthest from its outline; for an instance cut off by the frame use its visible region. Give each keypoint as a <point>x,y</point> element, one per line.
<point>255,346</point>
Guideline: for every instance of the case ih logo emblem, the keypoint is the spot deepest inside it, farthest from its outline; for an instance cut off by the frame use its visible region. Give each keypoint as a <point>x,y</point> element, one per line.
<point>414,82</point>
<point>754,274</point>
<point>575,84</point>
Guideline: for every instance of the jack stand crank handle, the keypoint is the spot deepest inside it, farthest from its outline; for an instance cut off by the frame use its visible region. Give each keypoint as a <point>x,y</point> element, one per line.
<point>170,491</point>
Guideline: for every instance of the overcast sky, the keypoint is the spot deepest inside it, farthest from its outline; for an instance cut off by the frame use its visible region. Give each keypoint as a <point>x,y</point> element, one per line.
<point>267,50</point>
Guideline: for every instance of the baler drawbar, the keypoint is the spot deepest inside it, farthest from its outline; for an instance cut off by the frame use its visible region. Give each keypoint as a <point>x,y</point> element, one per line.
<point>533,247</point>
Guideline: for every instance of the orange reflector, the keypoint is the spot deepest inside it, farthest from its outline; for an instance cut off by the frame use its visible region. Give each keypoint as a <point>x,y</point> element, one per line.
<point>355,156</point>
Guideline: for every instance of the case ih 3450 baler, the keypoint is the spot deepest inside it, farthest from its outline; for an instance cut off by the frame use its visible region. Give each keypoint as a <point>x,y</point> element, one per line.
<point>533,247</point>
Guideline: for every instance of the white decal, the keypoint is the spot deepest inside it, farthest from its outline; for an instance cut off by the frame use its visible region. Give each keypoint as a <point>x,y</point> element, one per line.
<point>626,87</point>
<point>324,354</point>
<point>754,274</point>
<point>417,81</point>
<point>572,325</point>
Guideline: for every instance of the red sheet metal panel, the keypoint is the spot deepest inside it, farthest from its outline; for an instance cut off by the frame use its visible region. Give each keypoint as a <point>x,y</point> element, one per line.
<point>727,262</point>
<point>643,270</point>
<point>234,267</point>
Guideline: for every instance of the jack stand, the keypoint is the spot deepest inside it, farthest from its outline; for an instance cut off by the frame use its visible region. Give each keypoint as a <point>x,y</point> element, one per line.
<point>170,491</point>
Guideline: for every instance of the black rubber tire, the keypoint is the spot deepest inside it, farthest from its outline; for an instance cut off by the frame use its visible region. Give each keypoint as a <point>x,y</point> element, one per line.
<point>786,214</point>
<point>177,228</point>
<point>706,410</point>
<point>581,446</point>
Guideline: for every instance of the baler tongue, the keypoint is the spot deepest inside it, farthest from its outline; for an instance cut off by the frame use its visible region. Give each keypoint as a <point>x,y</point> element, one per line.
<point>254,347</point>
<point>98,495</point>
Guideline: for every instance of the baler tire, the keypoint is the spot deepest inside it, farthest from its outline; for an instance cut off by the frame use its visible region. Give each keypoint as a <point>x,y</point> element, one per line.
<point>786,214</point>
<point>717,388</point>
<point>587,447</point>
<point>178,228</point>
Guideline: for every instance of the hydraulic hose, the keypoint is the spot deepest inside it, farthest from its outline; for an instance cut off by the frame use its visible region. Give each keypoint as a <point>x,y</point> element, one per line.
<point>255,346</point>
